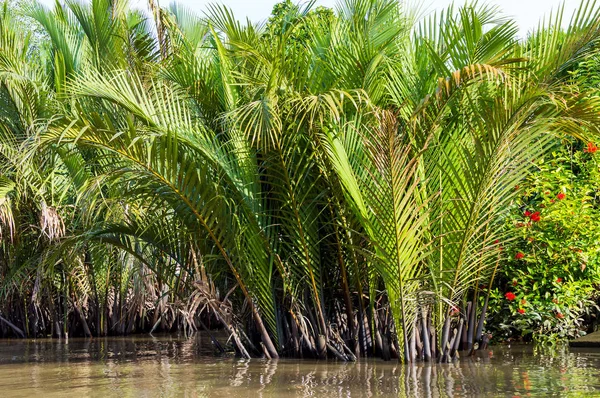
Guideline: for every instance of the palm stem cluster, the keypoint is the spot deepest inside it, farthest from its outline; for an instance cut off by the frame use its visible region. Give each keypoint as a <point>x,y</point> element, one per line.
<point>327,184</point>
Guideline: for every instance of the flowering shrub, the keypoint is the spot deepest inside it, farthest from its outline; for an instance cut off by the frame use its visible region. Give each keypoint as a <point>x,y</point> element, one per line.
<point>519,256</point>
<point>591,148</point>
<point>548,284</point>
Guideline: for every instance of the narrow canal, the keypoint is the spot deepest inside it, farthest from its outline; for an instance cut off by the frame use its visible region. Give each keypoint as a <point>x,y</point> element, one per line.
<point>168,366</point>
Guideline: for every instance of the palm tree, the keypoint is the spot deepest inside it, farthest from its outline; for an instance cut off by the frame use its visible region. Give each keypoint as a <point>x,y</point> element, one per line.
<point>334,182</point>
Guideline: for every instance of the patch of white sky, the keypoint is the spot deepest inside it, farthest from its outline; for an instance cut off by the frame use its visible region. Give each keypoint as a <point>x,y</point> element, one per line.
<point>526,13</point>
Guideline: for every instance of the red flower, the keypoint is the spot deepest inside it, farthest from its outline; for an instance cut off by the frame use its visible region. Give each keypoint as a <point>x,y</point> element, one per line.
<point>591,148</point>
<point>510,296</point>
<point>561,196</point>
<point>560,315</point>
<point>535,217</point>
<point>559,280</point>
<point>521,311</point>
<point>519,256</point>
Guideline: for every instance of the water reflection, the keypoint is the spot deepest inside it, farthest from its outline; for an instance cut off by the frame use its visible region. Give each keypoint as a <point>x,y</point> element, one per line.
<point>169,366</point>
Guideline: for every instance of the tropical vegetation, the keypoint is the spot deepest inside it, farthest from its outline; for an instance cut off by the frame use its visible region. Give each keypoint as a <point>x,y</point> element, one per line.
<point>552,269</point>
<point>327,184</point>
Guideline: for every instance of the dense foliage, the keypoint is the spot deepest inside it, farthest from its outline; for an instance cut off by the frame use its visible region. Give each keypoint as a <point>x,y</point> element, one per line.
<point>553,269</point>
<point>328,184</point>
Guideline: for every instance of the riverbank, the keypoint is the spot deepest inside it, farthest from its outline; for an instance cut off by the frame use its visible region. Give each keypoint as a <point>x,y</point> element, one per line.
<point>591,340</point>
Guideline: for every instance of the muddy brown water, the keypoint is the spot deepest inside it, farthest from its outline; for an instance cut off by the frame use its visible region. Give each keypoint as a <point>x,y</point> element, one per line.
<point>169,366</point>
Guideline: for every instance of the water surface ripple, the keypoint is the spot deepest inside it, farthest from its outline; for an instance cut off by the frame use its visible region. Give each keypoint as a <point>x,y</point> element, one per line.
<point>169,366</point>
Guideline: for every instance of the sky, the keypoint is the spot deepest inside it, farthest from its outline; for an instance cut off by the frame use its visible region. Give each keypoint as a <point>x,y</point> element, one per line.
<point>527,13</point>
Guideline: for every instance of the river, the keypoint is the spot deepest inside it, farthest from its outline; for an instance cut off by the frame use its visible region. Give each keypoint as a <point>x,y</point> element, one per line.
<point>169,366</point>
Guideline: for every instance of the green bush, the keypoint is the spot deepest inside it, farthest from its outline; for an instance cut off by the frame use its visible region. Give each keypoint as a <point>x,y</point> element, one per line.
<point>547,289</point>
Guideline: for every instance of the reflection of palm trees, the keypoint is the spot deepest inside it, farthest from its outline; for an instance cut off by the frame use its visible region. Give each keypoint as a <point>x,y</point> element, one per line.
<point>169,367</point>
<point>241,367</point>
<point>471,375</point>
<point>269,369</point>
